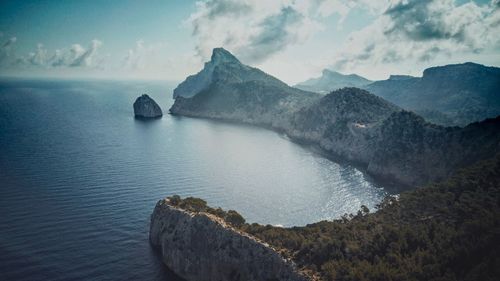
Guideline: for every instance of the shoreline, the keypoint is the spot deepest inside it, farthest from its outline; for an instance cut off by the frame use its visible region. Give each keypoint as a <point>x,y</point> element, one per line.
<point>392,186</point>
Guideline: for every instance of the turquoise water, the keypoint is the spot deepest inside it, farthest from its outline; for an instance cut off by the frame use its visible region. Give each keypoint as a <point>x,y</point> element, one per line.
<point>79,178</point>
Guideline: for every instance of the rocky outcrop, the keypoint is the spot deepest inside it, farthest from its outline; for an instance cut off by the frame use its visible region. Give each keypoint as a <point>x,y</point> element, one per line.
<point>202,247</point>
<point>350,123</point>
<point>146,107</point>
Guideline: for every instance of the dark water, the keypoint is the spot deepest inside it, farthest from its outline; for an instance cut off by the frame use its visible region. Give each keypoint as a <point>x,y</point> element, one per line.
<point>79,177</point>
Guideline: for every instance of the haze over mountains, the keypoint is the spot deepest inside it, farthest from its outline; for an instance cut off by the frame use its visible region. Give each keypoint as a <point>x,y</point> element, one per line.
<point>455,94</point>
<point>331,80</point>
<point>352,123</point>
<point>449,95</point>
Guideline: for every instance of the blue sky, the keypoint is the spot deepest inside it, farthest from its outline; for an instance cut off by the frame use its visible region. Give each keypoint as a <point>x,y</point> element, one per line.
<point>291,39</point>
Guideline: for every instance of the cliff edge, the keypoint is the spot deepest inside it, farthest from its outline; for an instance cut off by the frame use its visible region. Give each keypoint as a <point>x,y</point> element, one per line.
<point>204,247</point>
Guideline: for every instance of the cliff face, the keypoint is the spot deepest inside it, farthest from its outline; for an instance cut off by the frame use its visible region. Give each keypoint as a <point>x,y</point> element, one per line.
<point>202,247</point>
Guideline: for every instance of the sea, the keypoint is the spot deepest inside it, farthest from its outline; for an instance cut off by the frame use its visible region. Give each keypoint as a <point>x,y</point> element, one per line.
<point>80,176</point>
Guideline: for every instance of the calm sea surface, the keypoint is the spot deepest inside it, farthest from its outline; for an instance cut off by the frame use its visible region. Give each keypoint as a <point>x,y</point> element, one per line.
<point>79,178</point>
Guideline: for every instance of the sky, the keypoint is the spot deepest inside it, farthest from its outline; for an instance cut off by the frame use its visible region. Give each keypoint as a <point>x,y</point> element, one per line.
<point>292,40</point>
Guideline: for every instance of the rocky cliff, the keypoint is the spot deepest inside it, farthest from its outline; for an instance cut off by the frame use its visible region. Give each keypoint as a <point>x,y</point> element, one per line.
<point>351,123</point>
<point>146,107</point>
<point>230,90</point>
<point>199,246</point>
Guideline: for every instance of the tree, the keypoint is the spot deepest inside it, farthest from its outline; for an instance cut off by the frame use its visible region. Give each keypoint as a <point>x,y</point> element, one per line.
<point>234,218</point>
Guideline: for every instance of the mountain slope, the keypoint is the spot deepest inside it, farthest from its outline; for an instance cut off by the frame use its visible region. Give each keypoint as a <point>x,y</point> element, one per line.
<point>226,68</point>
<point>332,80</point>
<point>450,95</point>
<point>233,91</point>
<point>343,122</point>
<point>351,123</point>
<point>446,231</point>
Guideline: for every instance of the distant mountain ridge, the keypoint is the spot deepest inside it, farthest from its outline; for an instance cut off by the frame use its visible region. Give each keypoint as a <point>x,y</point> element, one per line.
<point>456,94</point>
<point>332,80</point>
<point>354,124</point>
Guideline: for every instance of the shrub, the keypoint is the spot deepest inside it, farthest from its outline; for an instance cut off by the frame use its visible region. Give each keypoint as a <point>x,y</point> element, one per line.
<point>234,218</point>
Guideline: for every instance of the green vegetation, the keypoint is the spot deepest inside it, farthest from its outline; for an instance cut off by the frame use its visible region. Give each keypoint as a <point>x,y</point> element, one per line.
<point>445,231</point>
<point>197,205</point>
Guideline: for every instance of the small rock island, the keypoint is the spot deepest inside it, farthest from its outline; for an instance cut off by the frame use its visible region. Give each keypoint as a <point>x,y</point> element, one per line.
<point>146,107</point>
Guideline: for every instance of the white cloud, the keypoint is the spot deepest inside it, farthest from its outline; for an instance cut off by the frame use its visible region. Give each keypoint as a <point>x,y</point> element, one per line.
<point>6,50</point>
<point>85,58</point>
<point>253,30</point>
<point>39,57</point>
<point>75,56</point>
<point>415,31</point>
<point>145,56</point>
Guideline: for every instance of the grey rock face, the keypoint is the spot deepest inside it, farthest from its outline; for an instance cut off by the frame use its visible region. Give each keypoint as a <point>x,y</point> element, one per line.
<point>202,247</point>
<point>146,107</point>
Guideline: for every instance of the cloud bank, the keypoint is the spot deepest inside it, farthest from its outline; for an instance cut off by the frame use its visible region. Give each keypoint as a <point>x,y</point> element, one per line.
<point>253,30</point>
<point>416,31</point>
<point>76,56</point>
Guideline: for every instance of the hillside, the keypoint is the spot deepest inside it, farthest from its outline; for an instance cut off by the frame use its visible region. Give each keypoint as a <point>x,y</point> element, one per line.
<point>446,231</point>
<point>228,89</point>
<point>456,94</point>
<point>350,123</point>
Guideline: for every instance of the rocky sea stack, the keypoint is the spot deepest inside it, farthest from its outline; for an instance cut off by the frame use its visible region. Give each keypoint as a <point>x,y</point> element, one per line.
<point>146,107</point>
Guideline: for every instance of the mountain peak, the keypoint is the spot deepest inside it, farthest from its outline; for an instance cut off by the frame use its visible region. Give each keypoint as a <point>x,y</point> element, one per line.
<point>221,55</point>
<point>327,71</point>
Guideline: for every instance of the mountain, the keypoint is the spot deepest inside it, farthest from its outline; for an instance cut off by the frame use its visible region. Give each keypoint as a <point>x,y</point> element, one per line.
<point>350,123</point>
<point>227,89</point>
<point>343,123</point>
<point>449,95</point>
<point>392,144</point>
<point>223,67</point>
<point>332,80</point>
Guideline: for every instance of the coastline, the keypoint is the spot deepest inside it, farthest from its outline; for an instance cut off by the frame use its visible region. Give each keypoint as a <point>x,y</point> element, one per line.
<point>389,184</point>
